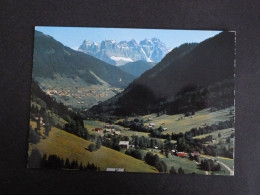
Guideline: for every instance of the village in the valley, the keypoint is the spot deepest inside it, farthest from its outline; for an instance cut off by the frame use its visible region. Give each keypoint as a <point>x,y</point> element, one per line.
<point>82,97</point>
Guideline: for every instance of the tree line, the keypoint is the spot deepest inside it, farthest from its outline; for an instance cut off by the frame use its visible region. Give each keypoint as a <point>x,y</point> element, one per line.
<point>53,161</point>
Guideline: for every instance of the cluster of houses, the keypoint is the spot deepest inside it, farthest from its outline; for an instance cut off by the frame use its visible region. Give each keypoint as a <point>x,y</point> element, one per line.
<point>182,154</point>
<point>80,93</point>
<point>108,129</point>
<point>152,125</point>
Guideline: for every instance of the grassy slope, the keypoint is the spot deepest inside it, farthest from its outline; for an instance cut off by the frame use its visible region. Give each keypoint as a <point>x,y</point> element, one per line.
<point>225,133</point>
<point>199,119</point>
<point>69,146</point>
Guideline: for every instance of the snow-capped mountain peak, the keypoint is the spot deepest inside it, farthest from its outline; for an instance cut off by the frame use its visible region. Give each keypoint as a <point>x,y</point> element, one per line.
<point>150,50</point>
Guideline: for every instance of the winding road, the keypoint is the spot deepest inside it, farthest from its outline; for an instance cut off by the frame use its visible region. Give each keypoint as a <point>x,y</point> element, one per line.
<point>223,164</point>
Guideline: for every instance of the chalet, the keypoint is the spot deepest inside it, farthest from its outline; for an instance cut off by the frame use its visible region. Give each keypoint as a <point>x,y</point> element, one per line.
<point>152,124</point>
<point>117,132</point>
<point>108,126</point>
<point>165,129</point>
<point>181,154</point>
<point>108,130</point>
<point>195,153</point>
<point>98,129</point>
<point>124,144</point>
<point>115,169</point>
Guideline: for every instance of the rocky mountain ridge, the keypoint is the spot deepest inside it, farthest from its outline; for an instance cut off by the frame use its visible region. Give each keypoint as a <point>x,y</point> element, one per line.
<point>149,50</point>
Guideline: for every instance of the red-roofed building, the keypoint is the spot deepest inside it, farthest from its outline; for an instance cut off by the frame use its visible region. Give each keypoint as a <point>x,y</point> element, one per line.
<point>181,154</point>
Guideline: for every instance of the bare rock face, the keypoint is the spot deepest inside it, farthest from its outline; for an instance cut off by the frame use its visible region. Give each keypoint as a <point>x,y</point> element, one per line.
<point>125,51</point>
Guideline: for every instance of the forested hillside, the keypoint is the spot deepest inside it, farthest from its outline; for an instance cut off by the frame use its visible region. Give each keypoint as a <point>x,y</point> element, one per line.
<point>189,78</point>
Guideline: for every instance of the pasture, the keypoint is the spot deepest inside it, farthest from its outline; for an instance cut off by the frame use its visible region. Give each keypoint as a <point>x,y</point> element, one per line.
<point>66,145</point>
<point>175,124</point>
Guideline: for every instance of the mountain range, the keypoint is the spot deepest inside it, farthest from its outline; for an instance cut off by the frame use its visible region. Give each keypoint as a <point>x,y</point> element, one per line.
<point>149,50</point>
<point>200,73</point>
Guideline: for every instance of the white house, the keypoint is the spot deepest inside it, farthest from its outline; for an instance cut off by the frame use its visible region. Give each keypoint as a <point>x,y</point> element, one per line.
<point>124,144</point>
<point>152,124</point>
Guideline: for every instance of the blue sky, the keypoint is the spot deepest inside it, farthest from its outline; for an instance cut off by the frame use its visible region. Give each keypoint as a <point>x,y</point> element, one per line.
<point>74,36</point>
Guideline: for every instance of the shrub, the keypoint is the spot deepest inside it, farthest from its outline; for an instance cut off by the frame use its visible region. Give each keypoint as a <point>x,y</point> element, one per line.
<point>92,147</point>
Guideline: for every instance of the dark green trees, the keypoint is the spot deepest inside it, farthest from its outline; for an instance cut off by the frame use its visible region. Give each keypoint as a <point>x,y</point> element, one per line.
<point>34,160</point>
<point>154,161</point>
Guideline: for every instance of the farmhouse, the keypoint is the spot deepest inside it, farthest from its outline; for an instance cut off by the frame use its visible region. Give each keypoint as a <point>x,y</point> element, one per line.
<point>98,129</point>
<point>117,132</point>
<point>195,153</point>
<point>152,124</point>
<point>108,130</point>
<point>124,144</point>
<point>181,154</point>
<point>108,126</point>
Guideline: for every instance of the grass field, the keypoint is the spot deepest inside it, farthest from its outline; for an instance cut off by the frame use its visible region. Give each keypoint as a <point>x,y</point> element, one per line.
<point>187,123</point>
<point>225,133</point>
<point>72,147</point>
<point>92,124</point>
<point>187,165</point>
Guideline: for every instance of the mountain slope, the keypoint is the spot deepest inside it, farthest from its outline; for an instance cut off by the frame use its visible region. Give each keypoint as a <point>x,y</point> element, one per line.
<point>52,57</point>
<point>136,68</point>
<point>69,143</point>
<point>74,75</point>
<point>125,51</point>
<point>192,71</point>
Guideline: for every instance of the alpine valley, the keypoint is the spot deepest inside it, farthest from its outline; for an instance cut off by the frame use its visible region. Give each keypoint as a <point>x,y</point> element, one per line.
<point>72,77</point>
<point>133,107</point>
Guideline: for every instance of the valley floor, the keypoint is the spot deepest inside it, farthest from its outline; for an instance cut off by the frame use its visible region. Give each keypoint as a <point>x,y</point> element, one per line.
<point>181,124</point>
<point>66,145</point>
